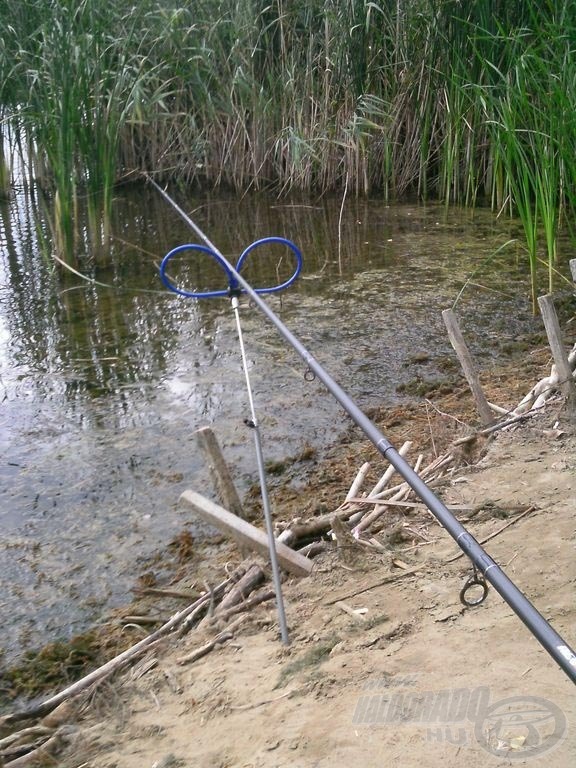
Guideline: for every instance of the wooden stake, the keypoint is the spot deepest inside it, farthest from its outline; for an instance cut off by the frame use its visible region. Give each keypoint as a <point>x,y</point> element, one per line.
<point>468,366</point>
<point>224,485</point>
<point>550,318</point>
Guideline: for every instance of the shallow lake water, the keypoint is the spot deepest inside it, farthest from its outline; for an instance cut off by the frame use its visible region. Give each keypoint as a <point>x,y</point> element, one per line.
<point>103,384</point>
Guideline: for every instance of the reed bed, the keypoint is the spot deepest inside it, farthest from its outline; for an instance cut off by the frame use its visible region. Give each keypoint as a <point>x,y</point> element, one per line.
<point>468,103</point>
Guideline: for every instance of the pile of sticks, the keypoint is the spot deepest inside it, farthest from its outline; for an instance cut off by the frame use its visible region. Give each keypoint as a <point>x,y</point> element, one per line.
<point>221,610</point>
<point>364,515</point>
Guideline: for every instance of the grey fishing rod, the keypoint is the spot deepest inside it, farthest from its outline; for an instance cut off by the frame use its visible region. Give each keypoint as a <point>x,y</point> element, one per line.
<point>233,292</point>
<point>490,571</point>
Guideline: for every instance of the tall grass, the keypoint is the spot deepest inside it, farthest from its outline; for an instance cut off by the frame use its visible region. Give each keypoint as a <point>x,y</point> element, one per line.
<point>470,103</point>
<point>73,87</point>
<point>529,110</point>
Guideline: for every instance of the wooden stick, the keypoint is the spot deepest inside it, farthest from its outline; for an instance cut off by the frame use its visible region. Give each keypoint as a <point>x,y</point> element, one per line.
<point>573,269</point>
<point>198,653</point>
<point>155,592</point>
<point>321,524</point>
<point>439,464</point>
<point>314,548</point>
<point>539,393</point>
<point>358,480</point>
<point>359,617</point>
<point>496,533</point>
<point>262,596</point>
<point>411,504</point>
<point>550,318</point>
<point>371,517</point>
<point>142,619</point>
<point>253,576</point>
<point>38,756</point>
<point>495,427</point>
<point>468,366</point>
<point>114,664</point>
<point>220,638</point>
<point>383,482</point>
<point>32,731</point>
<point>386,580</point>
<point>368,519</point>
<point>498,409</point>
<point>221,475</point>
<point>261,703</point>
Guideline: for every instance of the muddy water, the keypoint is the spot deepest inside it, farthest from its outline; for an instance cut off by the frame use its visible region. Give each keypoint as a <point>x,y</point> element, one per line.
<point>102,384</point>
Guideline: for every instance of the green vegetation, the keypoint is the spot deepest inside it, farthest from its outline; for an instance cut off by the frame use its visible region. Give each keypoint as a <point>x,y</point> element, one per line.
<point>465,102</point>
<point>55,665</point>
<point>307,661</point>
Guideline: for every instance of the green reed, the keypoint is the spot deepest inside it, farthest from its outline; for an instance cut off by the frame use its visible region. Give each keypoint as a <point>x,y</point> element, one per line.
<point>469,103</point>
<point>529,109</point>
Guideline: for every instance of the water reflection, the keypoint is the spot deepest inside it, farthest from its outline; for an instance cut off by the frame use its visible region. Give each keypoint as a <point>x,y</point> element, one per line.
<point>102,386</point>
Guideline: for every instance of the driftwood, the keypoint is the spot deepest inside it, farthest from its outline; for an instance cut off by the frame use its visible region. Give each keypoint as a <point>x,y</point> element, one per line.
<point>36,754</point>
<point>221,637</point>
<point>544,389</point>
<point>355,512</point>
<point>411,504</point>
<point>385,479</point>
<point>34,732</point>
<point>249,581</point>
<point>358,481</point>
<point>177,593</point>
<point>314,548</point>
<point>357,614</point>
<point>115,664</point>
<point>30,745</point>
<point>258,597</point>
<point>316,526</point>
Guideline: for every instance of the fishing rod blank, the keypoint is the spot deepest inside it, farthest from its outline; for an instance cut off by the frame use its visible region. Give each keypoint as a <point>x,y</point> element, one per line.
<point>233,292</point>
<point>553,643</point>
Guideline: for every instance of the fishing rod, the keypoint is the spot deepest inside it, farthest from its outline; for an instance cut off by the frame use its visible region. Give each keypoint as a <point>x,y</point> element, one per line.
<point>485,568</point>
<point>233,292</point>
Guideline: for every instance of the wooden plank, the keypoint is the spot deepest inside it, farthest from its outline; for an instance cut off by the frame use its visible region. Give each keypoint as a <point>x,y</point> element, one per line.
<point>559,353</point>
<point>244,533</point>
<point>223,483</point>
<point>468,366</point>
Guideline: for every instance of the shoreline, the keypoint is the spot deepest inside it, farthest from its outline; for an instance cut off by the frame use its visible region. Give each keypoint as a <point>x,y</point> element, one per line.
<point>187,562</point>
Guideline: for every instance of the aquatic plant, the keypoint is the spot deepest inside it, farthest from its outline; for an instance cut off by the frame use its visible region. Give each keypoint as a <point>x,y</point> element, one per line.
<point>469,103</point>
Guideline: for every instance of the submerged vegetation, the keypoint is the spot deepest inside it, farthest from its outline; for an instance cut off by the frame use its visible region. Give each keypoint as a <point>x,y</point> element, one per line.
<point>470,103</point>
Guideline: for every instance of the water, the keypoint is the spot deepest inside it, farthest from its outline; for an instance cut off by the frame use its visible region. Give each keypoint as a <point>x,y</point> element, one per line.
<point>101,388</point>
